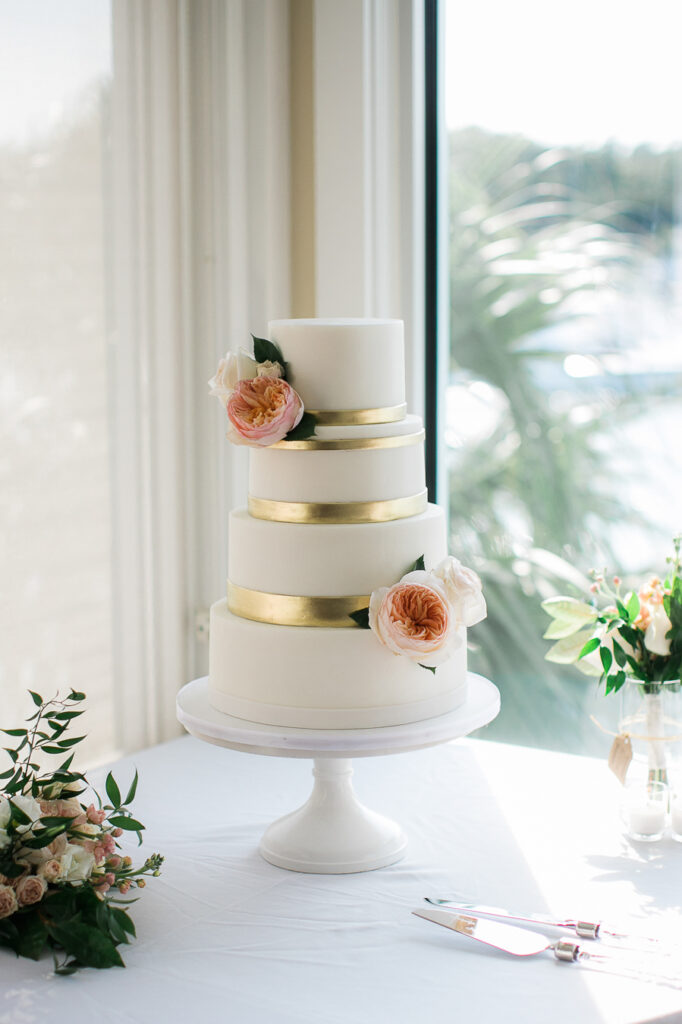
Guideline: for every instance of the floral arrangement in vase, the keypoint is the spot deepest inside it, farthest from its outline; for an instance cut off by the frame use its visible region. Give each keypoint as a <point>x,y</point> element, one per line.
<point>262,407</point>
<point>421,617</point>
<point>626,636</point>
<point>63,883</point>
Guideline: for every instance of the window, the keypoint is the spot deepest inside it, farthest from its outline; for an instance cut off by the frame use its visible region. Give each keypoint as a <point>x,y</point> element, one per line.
<point>561,383</point>
<point>55,505</point>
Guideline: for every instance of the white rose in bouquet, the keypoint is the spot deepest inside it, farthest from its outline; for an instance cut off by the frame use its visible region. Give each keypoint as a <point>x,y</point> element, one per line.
<point>4,820</point>
<point>75,864</point>
<point>655,635</point>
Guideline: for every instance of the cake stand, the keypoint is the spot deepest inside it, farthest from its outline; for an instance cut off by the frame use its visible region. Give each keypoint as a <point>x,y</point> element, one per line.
<point>333,833</point>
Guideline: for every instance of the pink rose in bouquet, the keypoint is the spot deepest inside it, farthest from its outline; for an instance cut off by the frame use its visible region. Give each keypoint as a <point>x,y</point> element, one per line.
<point>413,618</point>
<point>30,889</point>
<point>262,411</point>
<point>8,901</point>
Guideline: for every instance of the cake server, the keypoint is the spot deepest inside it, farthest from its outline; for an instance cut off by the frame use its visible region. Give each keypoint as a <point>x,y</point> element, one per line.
<point>510,938</point>
<point>583,929</point>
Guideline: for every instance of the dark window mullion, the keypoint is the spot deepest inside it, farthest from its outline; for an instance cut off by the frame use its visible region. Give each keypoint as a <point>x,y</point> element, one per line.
<point>431,325</point>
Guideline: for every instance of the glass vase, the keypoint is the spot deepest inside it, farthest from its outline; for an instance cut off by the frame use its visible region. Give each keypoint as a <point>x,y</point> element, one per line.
<point>651,715</point>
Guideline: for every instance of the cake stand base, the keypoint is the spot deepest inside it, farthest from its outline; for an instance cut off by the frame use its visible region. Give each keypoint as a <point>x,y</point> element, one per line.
<point>332,833</point>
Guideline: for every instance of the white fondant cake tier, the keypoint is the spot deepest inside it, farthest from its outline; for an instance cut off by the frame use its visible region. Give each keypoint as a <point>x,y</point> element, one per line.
<point>331,560</point>
<point>290,473</point>
<point>323,678</point>
<point>344,363</point>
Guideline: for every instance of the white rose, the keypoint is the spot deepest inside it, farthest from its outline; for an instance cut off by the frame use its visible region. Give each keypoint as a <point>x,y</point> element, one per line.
<point>235,366</point>
<point>659,624</point>
<point>30,807</point>
<point>75,864</point>
<point>4,839</point>
<point>464,590</point>
<point>88,829</point>
<point>270,369</point>
<point>5,813</point>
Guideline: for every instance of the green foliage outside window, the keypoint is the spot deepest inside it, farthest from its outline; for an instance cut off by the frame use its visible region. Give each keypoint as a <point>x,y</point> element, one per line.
<point>544,244</point>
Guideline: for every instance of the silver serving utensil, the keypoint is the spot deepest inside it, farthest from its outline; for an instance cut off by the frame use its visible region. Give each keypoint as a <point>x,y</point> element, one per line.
<point>507,937</point>
<point>522,942</point>
<point>583,929</point>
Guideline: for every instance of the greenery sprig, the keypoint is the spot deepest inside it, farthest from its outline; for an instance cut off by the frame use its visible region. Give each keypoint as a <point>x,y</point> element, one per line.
<point>62,881</point>
<point>616,635</point>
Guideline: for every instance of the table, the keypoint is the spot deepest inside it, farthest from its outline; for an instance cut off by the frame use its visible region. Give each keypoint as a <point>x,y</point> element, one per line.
<point>226,936</point>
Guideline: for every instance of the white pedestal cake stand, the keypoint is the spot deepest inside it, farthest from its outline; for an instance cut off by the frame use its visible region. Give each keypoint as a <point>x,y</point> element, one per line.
<point>332,833</point>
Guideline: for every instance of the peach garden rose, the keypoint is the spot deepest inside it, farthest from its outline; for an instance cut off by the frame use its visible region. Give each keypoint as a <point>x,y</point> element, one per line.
<point>413,618</point>
<point>262,411</point>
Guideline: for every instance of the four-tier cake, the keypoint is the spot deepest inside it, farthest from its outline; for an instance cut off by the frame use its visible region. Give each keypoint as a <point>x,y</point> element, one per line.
<point>343,609</point>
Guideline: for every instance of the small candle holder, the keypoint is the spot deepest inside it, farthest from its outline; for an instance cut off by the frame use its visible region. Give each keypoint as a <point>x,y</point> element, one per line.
<point>645,810</point>
<point>676,815</point>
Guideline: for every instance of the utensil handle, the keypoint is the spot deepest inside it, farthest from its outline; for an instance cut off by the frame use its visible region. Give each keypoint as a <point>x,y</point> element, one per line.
<point>623,968</point>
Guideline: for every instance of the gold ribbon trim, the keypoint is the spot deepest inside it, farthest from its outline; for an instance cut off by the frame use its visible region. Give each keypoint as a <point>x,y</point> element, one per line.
<point>337,511</point>
<point>287,610</point>
<point>358,417</point>
<point>350,444</point>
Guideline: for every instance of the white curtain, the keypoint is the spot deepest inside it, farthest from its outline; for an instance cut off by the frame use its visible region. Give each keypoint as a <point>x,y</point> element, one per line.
<point>203,241</point>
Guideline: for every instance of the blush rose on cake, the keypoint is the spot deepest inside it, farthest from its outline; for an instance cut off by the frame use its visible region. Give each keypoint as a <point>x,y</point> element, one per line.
<point>262,407</point>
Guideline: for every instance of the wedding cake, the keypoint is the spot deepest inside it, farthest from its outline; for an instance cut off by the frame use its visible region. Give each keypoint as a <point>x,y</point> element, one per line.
<point>343,608</point>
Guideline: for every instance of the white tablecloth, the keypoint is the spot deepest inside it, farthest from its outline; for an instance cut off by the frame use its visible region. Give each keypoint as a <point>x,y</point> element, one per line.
<point>222,935</point>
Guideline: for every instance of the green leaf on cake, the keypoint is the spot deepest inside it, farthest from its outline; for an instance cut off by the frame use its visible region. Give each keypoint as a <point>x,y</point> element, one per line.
<point>267,351</point>
<point>361,617</point>
<point>304,429</point>
<point>417,566</point>
<point>429,668</point>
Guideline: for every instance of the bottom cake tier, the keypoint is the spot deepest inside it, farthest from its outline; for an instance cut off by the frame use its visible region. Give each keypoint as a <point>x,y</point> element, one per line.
<point>316,678</point>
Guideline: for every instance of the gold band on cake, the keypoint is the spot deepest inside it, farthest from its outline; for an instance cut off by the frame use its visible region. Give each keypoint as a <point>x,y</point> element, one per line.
<point>350,444</point>
<point>290,610</point>
<point>337,511</point>
<point>359,417</point>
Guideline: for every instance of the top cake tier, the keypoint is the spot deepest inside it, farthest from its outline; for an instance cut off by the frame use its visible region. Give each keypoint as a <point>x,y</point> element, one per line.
<point>345,365</point>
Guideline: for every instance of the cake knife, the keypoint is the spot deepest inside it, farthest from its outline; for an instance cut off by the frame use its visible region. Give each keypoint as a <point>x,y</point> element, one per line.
<point>522,942</point>
<point>583,929</point>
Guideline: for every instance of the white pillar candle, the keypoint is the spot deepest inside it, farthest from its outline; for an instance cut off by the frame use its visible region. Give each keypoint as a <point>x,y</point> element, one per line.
<point>648,818</point>
<point>677,816</point>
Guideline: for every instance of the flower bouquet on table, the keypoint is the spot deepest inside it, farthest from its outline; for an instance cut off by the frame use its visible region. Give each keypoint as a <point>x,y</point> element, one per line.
<point>627,637</point>
<point>63,883</point>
